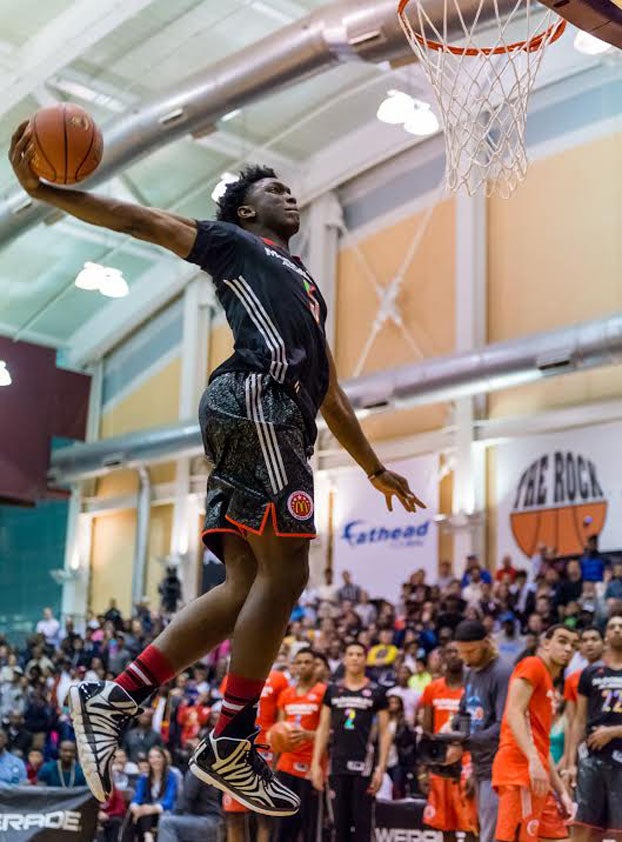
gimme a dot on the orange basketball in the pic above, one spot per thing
(280, 737)
(68, 144)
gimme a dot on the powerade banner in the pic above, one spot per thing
(402, 821)
(45, 814)
(558, 489)
(381, 548)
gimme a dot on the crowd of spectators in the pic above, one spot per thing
(405, 640)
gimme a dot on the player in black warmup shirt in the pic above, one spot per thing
(355, 710)
(598, 721)
(257, 420)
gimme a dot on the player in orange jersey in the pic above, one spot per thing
(301, 705)
(522, 772)
(449, 807)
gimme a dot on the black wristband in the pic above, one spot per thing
(376, 474)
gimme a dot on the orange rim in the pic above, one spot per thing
(530, 45)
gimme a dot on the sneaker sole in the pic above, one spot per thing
(216, 780)
(86, 755)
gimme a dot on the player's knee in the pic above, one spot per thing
(294, 574)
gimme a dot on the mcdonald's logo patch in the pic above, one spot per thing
(300, 505)
(558, 502)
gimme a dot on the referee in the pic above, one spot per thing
(349, 710)
(598, 721)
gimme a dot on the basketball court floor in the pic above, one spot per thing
(478, 330)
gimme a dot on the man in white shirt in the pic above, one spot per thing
(409, 696)
(49, 627)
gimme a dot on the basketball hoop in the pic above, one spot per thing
(482, 91)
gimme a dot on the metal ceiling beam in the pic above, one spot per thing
(345, 31)
(497, 366)
(68, 36)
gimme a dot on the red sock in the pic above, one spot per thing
(144, 675)
(238, 711)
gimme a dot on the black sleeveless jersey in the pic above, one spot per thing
(602, 686)
(275, 310)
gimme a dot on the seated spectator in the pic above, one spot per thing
(142, 738)
(110, 816)
(472, 593)
(571, 585)
(472, 562)
(49, 627)
(20, 740)
(197, 816)
(408, 695)
(401, 760)
(384, 652)
(35, 762)
(592, 562)
(349, 591)
(156, 793)
(421, 678)
(506, 572)
(12, 768)
(508, 641)
(613, 591)
(445, 574)
(366, 610)
(65, 772)
(124, 772)
(328, 591)
(193, 717)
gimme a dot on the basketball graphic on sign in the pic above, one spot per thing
(559, 503)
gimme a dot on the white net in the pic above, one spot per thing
(482, 81)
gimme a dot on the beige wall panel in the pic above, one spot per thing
(555, 249)
(553, 392)
(405, 422)
(426, 299)
(160, 529)
(117, 484)
(152, 404)
(163, 472)
(446, 539)
(111, 560)
(220, 345)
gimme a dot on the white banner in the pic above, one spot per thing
(381, 548)
(558, 489)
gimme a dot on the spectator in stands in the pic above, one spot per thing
(570, 587)
(192, 718)
(472, 593)
(506, 572)
(445, 574)
(421, 677)
(366, 610)
(20, 740)
(349, 591)
(114, 616)
(471, 562)
(384, 653)
(49, 627)
(119, 656)
(12, 692)
(328, 591)
(35, 762)
(12, 768)
(65, 772)
(401, 761)
(156, 793)
(507, 640)
(39, 659)
(110, 816)
(170, 591)
(198, 815)
(593, 563)
(613, 591)
(409, 696)
(142, 738)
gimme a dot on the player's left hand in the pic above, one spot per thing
(298, 736)
(567, 804)
(600, 737)
(393, 485)
(376, 781)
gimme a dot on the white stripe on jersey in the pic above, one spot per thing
(264, 325)
(266, 434)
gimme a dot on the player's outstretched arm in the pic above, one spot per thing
(343, 424)
(168, 230)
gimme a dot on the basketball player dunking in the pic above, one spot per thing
(257, 421)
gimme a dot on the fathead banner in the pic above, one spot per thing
(381, 548)
(558, 489)
(43, 814)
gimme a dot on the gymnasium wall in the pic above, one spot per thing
(554, 253)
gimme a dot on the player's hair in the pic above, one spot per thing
(591, 629)
(616, 615)
(235, 194)
(352, 643)
(548, 634)
(305, 650)
(322, 657)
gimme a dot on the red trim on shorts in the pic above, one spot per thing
(230, 531)
(270, 508)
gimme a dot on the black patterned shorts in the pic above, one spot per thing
(254, 435)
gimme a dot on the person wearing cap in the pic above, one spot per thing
(482, 705)
(508, 642)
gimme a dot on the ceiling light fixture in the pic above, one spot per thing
(225, 179)
(5, 374)
(589, 45)
(95, 277)
(417, 117)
